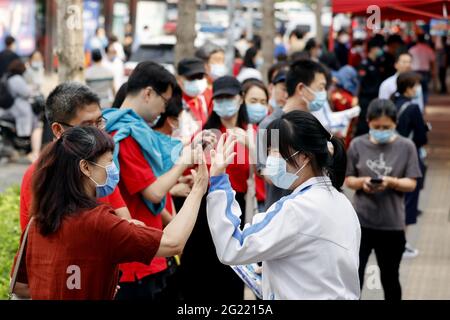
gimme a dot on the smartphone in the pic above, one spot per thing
(376, 181)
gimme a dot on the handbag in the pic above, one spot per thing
(12, 285)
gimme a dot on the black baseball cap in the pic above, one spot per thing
(279, 77)
(191, 66)
(226, 85)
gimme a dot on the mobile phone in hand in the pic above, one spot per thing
(376, 181)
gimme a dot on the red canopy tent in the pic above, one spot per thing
(406, 10)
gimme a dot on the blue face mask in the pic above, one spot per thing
(256, 112)
(226, 108)
(276, 170)
(217, 70)
(112, 179)
(195, 87)
(382, 136)
(319, 101)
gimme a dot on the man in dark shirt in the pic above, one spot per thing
(7, 55)
(370, 81)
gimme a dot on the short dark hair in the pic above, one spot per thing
(400, 54)
(407, 80)
(394, 39)
(66, 99)
(96, 55)
(16, 67)
(173, 109)
(150, 74)
(297, 32)
(374, 43)
(301, 131)
(57, 183)
(275, 68)
(302, 71)
(9, 40)
(310, 44)
(421, 38)
(381, 107)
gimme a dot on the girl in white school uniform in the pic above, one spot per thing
(308, 242)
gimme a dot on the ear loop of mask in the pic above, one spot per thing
(302, 167)
(97, 184)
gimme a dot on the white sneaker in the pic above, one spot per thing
(410, 252)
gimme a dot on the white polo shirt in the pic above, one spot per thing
(308, 241)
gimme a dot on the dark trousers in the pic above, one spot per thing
(150, 288)
(412, 198)
(202, 276)
(389, 247)
(426, 78)
(362, 126)
(443, 79)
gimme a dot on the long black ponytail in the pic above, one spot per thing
(301, 131)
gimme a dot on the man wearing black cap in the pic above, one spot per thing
(197, 97)
(277, 89)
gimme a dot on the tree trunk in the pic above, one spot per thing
(70, 47)
(268, 35)
(187, 10)
(318, 12)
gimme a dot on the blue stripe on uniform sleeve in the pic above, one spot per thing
(222, 182)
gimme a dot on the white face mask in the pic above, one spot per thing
(195, 88)
(276, 170)
(218, 70)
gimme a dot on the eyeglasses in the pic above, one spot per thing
(166, 101)
(99, 124)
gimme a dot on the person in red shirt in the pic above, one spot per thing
(149, 90)
(197, 97)
(75, 244)
(69, 104)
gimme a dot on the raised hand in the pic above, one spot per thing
(223, 155)
(201, 177)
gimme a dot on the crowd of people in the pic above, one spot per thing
(132, 216)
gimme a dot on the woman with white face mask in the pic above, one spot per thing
(382, 167)
(308, 242)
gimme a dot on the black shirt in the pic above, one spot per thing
(411, 121)
(6, 57)
(370, 79)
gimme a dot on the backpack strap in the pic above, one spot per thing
(402, 109)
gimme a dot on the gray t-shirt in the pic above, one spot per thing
(273, 193)
(384, 210)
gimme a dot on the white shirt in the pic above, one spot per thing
(336, 122)
(422, 55)
(389, 86)
(308, 241)
(117, 68)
